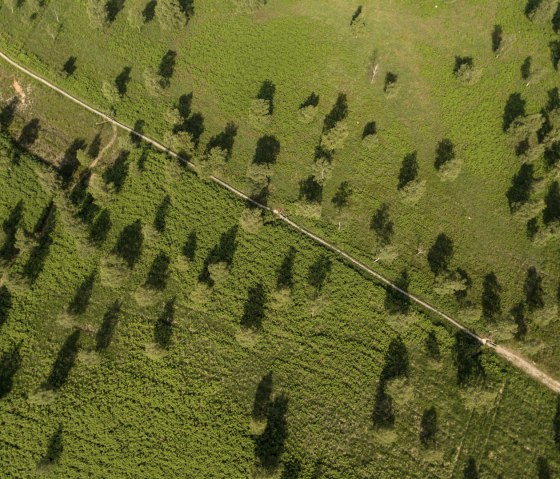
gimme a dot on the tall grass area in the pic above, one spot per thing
(173, 372)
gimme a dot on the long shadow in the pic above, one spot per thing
(262, 402)
(44, 221)
(6, 303)
(81, 299)
(551, 210)
(187, 7)
(268, 149)
(94, 147)
(10, 362)
(70, 162)
(189, 249)
(106, 332)
(338, 113)
(112, 9)
(160, 221)
(167, 68)
(311, 100)
(70, 66)
(255, 308)
(521, 187)
(7, 113)
(440, 254)
(311, 190)
(38, 257)
(54, 448)
(319, 272)
(382, 224)
(10, 226)
(395, 301)
(491, 301)
(64, 362)
(382, 415)
(159, 272)
(223, 252)
(130, 243)
(79, 192)
(515, 107)
(149, 12)
(285, 274)
(467, 357)
(29, 133)
(101, 227)
(89, 209)
(292, 469)
(224, 140)
(163, 330)
(136, 132)
(409, 170)
(396, 361)
(266, 92)
(122, 81)
(117, 173)
(270, 445)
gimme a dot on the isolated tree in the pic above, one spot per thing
(428, 427)
(395, 301)
(130, 243)
(117, 173)
(382, 225)
(409, 170)
(390, 82)
(64, 361)
(342, 196)
(440, 254)
(496, 38)
(69, 66)
(170, 14)
(112, 9)
(533, 289)
(268, 149)
(551, 211)
(163, 330)
(338, 113)
(444, 153)
(491, 301)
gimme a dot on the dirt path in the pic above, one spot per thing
(519, 362)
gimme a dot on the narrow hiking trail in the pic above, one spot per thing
(521, 363)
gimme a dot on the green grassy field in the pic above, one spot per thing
(141, 398)
(228, 49)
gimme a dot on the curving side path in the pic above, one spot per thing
(523, 364)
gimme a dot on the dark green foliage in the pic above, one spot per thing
(543, 469)
(6, 303)
(383, 415)
(554, 53)
(533, 289)
(515, 107)
(89, 209)
(167, 68)
(112, 9)
(79, 193)
(531, 7)
(382, 225)
(69, 66)
(556, 423)
(409, 170)
(94, 147)
(149, 11)
(118, 171)
(311, 100)
(532, 228)
(255, 307)
(440, 254)
(311, 190)
(551, 211)
(521, 187)
(161, 214)
(40, 251)
(44, 220)
(369, 130)
(101, 227)
(55, 448)
(432, 346)
(522, 147)
(130, 243)
(266, 92)
(292, 469)
(285, 275)
(342, 196)
(552, 154)
(545, 128)
(470, 471)
(64, 361)
(444, 153)
(518, 315)
(223, 252)
(268, 149)
(390, 81)
(396, 361)
(318, 272)
(29, 133)
(224, 140)
(159, 272)
(7, 113)
(526, 68)
(10, 226)
(553, 102)
(81, 299)
(164, 325)
(189, 249)
(556, 20)
(467, 358)
(270, 445)
(338, 113)
(122, 81)
(70, 162)
(356, 15)
(10, 362)
(187, 7)
(194, 125)
(263, 395)
(491, 301)
(496, 38)
(106, 332)
(428, 427)
(395, 301)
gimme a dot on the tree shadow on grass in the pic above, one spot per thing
(163, 330)
(160, 221)
(106, 332)
(29, 133)
(268, 149)
(70, 162)
(521, 187)
(137, 131)
(6, 303)
(69, 66)
(64, 362)
(311, 190)
(7, 113)
(255, 308)
(223, 252)
(223, 140)
(467, 357)
(262, 402)
(285, 274)
(382, 415)
(54, 448)
(395, 301)
(118, 171)
(319, 272)
(338, 113)
(270, 445)
(189, 249)
(159, 272)
(94, 147)
(515, 107)
(266, 92)
(10, 362)
(10, 226)
(311, 100)
(130, 243)
(149, 11)
(112, 9)
(122, 81)
(167, 68)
